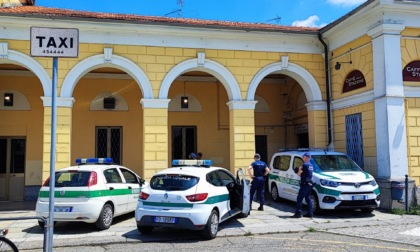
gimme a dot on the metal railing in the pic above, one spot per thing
(45, 245)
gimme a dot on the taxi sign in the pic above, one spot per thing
(190, 162)
(54, 42)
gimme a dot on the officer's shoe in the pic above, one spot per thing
(308, 215)
(296, 216)
(261, 208)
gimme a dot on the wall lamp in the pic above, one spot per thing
(8, 99)
(338, 64)
(184, 102)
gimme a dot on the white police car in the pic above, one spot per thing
(93, 191)
(192, 195)
(339, 183)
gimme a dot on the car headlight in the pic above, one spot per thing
(329, 183)
(372, 182)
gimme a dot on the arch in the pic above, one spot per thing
(210, 67)
(98, 61)
(301, 75)
(17, 58)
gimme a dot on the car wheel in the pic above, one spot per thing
(105, 217)
(275, 193)
(144, 229)
(42, 224)
(212, 226)
(315, 203)
(367, 210)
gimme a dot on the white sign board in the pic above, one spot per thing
(54, 42)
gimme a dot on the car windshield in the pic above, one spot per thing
(71, 178)
(333, 163)
(173, 182)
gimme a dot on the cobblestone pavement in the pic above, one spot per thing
(379, 225)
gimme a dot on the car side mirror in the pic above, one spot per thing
(296, 170)
(141, 181)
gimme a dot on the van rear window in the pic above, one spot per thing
(173, 182)
(71, 178)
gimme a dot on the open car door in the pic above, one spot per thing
(241, 179)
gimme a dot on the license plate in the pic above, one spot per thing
(159, 219)
(359, 197)
(63, 209)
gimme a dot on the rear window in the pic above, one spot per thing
(173, 182)
(71, 178)
(334, 163)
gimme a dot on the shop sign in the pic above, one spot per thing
(411, 71)
(354, 80)
(54, 42)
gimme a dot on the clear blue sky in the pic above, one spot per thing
(312, 13)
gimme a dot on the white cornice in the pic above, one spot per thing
(61, 101)
(371, 16)
(242, 105)
(352, 100)
(411, 92)
(18, 28)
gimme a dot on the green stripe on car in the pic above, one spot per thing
(289, 181)
(87, 194)
(210, 200)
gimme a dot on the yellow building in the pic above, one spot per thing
(250, 88)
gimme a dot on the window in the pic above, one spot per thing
(129, 176)
(109, 143)
(297, 162)
(354, 138)
(173, 182)
(282, 163)
(71, 178)
(226, 178)
(112, 176)
(214, 179)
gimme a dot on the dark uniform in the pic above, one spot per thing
(305, 189)
(258, 182)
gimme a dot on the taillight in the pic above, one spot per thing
(47, 182)
(93, 179)
(143, 196)
(197, 197)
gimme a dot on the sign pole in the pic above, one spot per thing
(50, 230)
(55, 43)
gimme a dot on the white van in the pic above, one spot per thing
(339, 183)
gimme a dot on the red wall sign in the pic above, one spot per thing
(354, 80)
(411, 71)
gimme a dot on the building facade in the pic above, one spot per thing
(146, 90)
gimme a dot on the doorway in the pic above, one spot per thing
(12, 168)
(184, 141)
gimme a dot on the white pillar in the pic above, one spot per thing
(391, 138)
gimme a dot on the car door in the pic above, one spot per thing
(286, 178)
(132, 183)
(116, 189)
(246, 194)
(294, 178)
(225, 180)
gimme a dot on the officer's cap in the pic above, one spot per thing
(257, 156)
(307, 154)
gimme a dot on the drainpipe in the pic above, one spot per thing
(328, 88)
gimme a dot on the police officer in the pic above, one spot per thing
(305, 172)
(259, 171)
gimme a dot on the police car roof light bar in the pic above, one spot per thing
(94, 161)
(192, 162)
